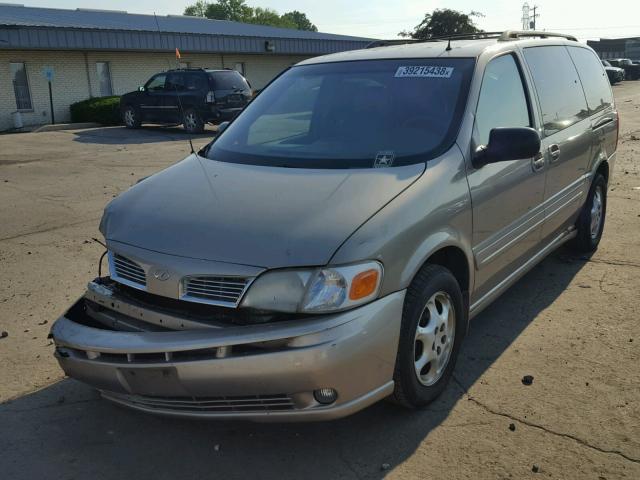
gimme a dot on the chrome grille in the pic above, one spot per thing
(254, 403)
(128, 270)
(216, 290)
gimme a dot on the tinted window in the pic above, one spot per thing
(229, 80)
(175, 82)
(559, 90)
(351, 115)
(594, 79)
(502, 102)
(156, 83)
(196, 81)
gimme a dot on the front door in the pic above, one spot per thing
(151, 101)
(506, 196)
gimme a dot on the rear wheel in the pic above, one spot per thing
(433, 325)
(192, 122)
(130, 117)
(590, 223)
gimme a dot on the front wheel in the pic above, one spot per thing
(130, 117)
(590, 223)
(432, 329)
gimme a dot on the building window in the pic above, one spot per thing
(104, 79)
(239, 67)
(21, 86)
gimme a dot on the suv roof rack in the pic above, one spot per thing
(500, 36)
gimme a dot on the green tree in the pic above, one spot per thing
(239, 11)
(234, 10)
(300, 21)
(442, 22)
(268, 16)
(198, 9)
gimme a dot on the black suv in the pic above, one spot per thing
(188, 96)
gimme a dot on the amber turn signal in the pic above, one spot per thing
(363, 284)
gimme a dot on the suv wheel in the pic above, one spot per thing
(192, 122)
(433, 325)
(590, 223)
(130, 117)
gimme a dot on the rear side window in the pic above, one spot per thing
(196, 82)
(175, 82)
(559, 90)
(502, 102)
(594, 79)
(229, 80)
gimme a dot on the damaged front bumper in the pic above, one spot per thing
(162, 363)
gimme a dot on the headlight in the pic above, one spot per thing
(319, 290)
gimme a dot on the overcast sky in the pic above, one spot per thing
(384, 18)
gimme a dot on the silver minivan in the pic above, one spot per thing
(328, 249)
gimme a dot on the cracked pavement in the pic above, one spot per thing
(572, 323)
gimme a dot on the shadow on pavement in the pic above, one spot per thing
(147, 134)
(67, 431)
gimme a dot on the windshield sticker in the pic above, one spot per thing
(384, 159)
(424, 71)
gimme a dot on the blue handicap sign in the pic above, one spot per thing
(48, 73)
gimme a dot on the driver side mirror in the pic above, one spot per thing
(222, 127)
(507, 144)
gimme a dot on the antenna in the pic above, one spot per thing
(174, 87)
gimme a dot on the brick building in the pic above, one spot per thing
(90, 53)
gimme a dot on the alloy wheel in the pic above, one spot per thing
(596, 213)
(434, 339)
(130, 117)
(190, 121)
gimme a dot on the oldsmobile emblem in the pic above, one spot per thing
(161, 274)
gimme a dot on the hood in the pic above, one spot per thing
(251, 215)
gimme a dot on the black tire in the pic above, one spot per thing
(192, 121)
(131, 117)
(432, 280)
(586, 241)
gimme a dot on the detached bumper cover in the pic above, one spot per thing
(259, 372)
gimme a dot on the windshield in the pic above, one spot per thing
(351, 115)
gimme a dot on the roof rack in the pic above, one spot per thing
(516, 34)
(457, 36)
(501, 36)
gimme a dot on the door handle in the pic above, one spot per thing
(538, 162)
(554, 152)
(601, 123)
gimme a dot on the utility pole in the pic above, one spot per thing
(534, 16)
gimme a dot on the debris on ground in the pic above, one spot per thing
(512, 427)
(535, 468)
(216, 447)
(527, 380)
(385, 466)
(4, 334)
(44, 322)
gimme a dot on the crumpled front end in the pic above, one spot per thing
(197, 360)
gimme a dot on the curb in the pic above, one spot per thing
(65, 126)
